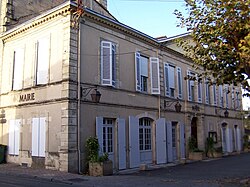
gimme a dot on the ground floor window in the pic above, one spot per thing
(108, 135)
(145, 139)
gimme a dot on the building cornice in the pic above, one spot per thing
(61, 10)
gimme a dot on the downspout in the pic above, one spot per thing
(79, 97)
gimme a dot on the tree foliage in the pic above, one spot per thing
(221, 39)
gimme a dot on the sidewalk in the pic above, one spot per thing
(51, 175)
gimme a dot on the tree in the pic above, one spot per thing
(221, 39)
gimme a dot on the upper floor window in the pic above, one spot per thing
(199, 89)
(42, 60)
(18, 64)
(215, 94)
(221, 98)
(142, 74)
(191, 78)
(179, 78)
(169, 80)
(207, 91)
(108, 63)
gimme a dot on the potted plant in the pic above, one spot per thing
(98, 165)
(194, 152)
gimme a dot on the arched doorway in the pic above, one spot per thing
(194, 130)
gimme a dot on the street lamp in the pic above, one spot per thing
(218, 111)
(177, 105)
(95, 95)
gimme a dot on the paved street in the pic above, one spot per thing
(230, 171)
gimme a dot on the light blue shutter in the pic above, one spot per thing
(161, 144)
(189, 86)
(155, 77)
(134, 152)
(221, 96)
(182, 141)
(169, 142)
(35, 137)
(215, 94)
(166, 67)
(18, 69)
(179, 76)
(43, 57)
(106, 63)
(113, 63)
(238, 139)
(42, 137)
(99, 133)
(17, 136)
(121, 143)
(137, 71)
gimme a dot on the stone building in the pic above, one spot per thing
(55, 54)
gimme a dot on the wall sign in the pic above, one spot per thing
(27, 97)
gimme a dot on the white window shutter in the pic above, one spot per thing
(18, 69)
(155, 76)
(166, 67)
(137, 71)
(99, 133)
(11, 137)
(42, 137)
(43, 57)
(134, 153)
(179, 77)
(169, 142)
(106, 63)
(161, 143)
(17, 136)
(121, 143)
(182, 141)
(238, 139)
(35, 137)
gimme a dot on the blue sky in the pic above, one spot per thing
(152, 17)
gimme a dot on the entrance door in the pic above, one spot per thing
(223, 138)
(194, 130)
(174, 140)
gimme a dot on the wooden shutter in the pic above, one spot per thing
(169, 142)
(134, 152)
(18, 69)
(182, 141)
(161, 143)
(179, 78)
(42, 137)
(99, 133)
(137, 71)
(11, 137)
(166, 67)
(189, 86)
(238, 139)
(199, 88)
(121, 143)
(35, 137)
(106, 63)
(155, 77)
(43, 57)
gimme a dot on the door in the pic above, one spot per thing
(223, 139)
(174, 140)
(169, 142)
(161, 141)
(134, 153)
(121, 144)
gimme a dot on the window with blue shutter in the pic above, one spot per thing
(199, 88)
(108, 63)
(207, 91)
(169, 80)
(137, 71)
(190, 90)
(155, 77)
(179, 80)
(215, 94)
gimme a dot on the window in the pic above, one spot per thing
(215, 94)
(14, 135)
(237, 98)
(108, 63)
(142, 73)
(108, 135)
(207, 88)
(226, 92)
(174, 138)
(179, 77)
(18, 64)
(145, 134)
(169, 80)
(38, 137)
(42, 64)
(199, 88)
(191, 77)
(221, 99)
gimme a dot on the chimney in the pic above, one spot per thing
(103, 2)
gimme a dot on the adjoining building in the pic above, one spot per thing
(150, 99)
